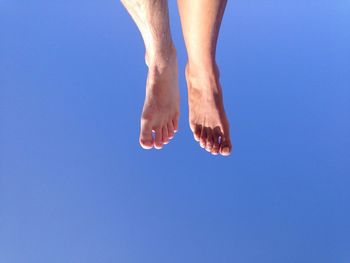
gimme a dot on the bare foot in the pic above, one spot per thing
(159, 120)
(207, 116)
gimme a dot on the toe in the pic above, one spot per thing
(210, 141)
(170, 130)
(192, 126)
(176, 122)
(216, 145)
(146, 143)
(197, 132)
(225, 147)
(158, 140)
(203, 138)
(165, 134)
(146, 139)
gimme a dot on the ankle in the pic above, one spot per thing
(205, 69)
(207, 74)
(160, 56)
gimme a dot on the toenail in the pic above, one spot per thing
(226, 150)
(146, 144)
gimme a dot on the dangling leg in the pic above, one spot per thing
(201, 21)
(161, 108)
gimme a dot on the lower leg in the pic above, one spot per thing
(161, 108)
(201, 21)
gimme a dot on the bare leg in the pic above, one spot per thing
(201, 21)
(161, 108)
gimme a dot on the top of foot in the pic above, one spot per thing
(160, 115)
(207, 116)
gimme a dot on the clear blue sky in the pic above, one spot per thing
(75, 186)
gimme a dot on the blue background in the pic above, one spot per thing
(75, 186)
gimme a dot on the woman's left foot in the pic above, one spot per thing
(207, 116)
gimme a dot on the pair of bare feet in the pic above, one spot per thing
(160, 116)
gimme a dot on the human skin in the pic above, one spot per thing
(160, 113)
(200, 21)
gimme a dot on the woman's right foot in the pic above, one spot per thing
(207, 116)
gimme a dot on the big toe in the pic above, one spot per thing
(225, 147)
(146, 140)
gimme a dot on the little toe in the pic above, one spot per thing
(176, 123)
(158, 141)
(170, 130)
(197, 132)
